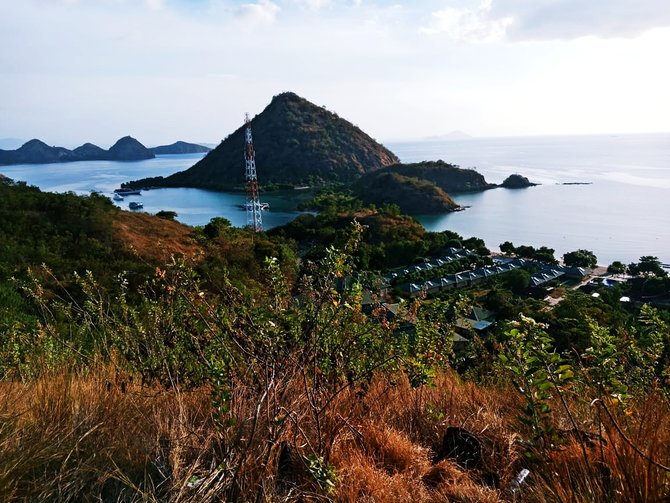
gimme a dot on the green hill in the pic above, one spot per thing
(296, 143)
(448, 177)
(412, 195)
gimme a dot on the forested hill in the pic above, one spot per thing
(296, 143)
(448, 177)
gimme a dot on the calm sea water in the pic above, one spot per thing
(623, 214)
(193, 206)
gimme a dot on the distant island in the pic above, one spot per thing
(126, 149)
(180, 147)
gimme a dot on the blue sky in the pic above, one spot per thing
(94, 70)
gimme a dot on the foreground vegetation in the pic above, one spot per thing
(228, 376)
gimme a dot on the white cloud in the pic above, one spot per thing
(154, 4)
(192, 68)
(567, 19)
(468, 25)
(263, 11)
(313, 5)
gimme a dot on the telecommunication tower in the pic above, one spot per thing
(253, 206)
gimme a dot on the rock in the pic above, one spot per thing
(517, 181)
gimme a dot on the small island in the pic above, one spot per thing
(517, 181)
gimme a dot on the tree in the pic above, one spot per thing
(216, 227)
(580, 258)
(507, 247)
(651, 265)
(517, 280)
(616, 267)
(167, 215)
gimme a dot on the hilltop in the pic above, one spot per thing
(35, 152)
(296, 143)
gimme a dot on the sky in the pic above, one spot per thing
(73, 71)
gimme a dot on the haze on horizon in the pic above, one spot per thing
(161, 70)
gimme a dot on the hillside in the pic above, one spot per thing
(412, 195)
(448, 177)
(180, 147)
(296, 143)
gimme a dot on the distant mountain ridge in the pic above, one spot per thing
(180, 147)
(296, 143)
(37, 152)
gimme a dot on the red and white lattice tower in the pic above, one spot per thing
(254, 206)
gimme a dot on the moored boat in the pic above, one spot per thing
(128, 192)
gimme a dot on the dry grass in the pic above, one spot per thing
(100, 437)
(153, 238)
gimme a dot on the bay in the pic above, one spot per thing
(622, 215)
(193, 206)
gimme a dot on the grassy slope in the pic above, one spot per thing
(152, 238)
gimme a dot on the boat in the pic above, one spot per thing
(135, 206)
(118, 197)
(128, 192)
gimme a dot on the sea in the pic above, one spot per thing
(606, 193)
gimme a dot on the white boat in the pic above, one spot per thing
(128, 192)
(118, 197)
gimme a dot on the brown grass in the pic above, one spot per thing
(100, 437)
(153, 238)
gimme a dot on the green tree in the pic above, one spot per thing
(517, 280)
(580, 258)
(216, 227)
(616, 267)
(507, 247)
(649, 265)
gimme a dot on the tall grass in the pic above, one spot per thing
(99, 437)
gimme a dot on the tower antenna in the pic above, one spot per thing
(253, 206)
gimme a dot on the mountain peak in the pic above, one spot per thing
(129, 149)
(296, 143)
